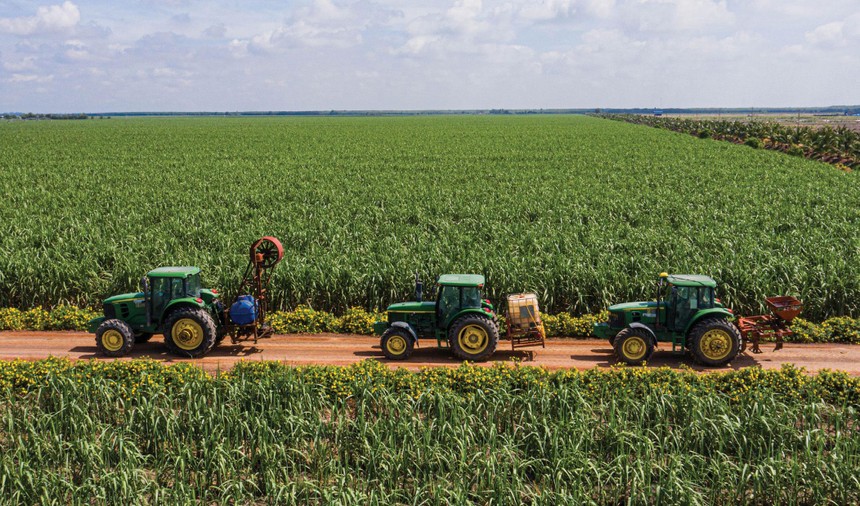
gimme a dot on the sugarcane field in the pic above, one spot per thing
(459, 252)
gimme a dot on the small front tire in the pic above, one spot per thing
(396, 344)
(633, 346)
(114, 338)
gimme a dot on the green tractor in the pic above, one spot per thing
(459, 319)
(686, 314)
(171, 301)
(193, 319)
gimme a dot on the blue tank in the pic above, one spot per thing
(244, 310)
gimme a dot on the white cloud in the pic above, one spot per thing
(322, 24)
(26, 63)
(216, 31)
(668, 16)
(30, 78)
(701, 14)
(828, 34)
(548, 9)
(47, 19)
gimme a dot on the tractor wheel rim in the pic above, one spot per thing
(112, 340)
(473, 339)
(716, 344)
(634, 348)
(396, 345)
(187, 334)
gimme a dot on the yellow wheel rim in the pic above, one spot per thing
(396, 345)
(112, 340)
(473, 339)
(187, 334)
(634, 348)
(716, 344)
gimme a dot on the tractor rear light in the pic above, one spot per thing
(215, 291)
(718, 301)
(199, 300)
(730, 310)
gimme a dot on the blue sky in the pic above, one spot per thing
(226, 55)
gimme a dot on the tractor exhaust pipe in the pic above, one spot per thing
(419, 288)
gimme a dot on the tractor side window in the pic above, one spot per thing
(449, 300)
(160, 293)
(685, 304)
(161, 288)
(177, 289)
(471, 297)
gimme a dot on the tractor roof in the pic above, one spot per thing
(173, 272)
(691, 280)
(461, 280)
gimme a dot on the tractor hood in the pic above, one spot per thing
(412, 307)
(633, 306)
(124, 297)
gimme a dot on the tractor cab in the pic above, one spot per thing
(458, 292)
(459, 318)
(165, 286)
(682, 297)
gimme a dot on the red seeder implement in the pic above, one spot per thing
(771, 326)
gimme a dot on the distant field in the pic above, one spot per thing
(584, 211)
(792, 120)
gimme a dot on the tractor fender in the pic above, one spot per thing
(717, 311)
(482, 312)
(637, 325)
(93, 324)
(473, 310)
(177, 303)
(409, 330)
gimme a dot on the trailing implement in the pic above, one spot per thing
(193, 319)
(688, 315)
(774, 326)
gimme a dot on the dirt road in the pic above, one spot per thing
(335, 349)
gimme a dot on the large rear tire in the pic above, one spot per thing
(714, 341)
(190, 332)
(114, 338)
(633, 346)
(473, 337)
(396, 344)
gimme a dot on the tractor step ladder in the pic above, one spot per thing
(442, 339)
(677, 343)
